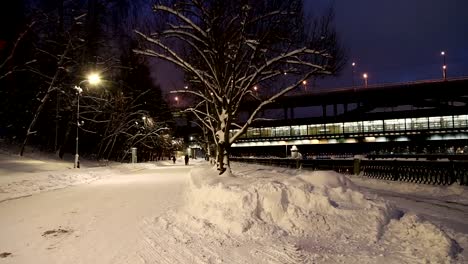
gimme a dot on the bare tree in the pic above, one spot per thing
(226, 48)
(4, 70)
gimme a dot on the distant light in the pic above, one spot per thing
(284, 73)
(304, 82)
(176, 98)
(442, 53)
(94, 78)
(255, 88)
(186, 87)
(144, 117)
(353, 64)
(364, 75)
(444, 67)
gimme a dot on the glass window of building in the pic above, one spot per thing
(314, 129)
(417, 123)
(283, 131)
(394, 124)
(460, 121)
(266, 132)
(352, 127)
(440, 122)
(373, 126)
(295, 131)
(335, 128)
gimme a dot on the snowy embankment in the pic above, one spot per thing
(263, 215)
(25, 176)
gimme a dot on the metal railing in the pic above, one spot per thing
(442, 172)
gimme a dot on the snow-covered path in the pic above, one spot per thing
(99, 222)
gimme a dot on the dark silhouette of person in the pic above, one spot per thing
(173, 159)
(186, 159)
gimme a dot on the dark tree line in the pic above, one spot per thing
(49, 50)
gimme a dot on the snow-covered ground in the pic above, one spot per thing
(171, 213)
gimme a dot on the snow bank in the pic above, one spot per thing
(320, 205)
(421, 239)
(310, 203)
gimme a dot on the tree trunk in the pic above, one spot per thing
(62, 147)
(46, 97)
(33, 122)
(222, 158)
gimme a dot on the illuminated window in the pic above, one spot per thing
(460, 121)
(352, 127)
(373, 126)
(266, 131)
(439, 122)
(416, 123)
(283, 131)
(335, 128)
(314, 129)
(298, 130)
(394, 125)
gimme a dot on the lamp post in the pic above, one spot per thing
(92, 79)
(365, 79)
(444, 66)
(353, 65)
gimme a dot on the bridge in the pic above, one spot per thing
(428, 116)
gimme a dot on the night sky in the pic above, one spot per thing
(393, 41)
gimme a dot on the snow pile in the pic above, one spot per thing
(320, 206)
(421, 239)
(311, 203)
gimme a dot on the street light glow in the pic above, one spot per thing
(176, 98)
(94, 78)
(304, 82)
(364, 75)
(255, 88)
(442, 53)
(353, 64)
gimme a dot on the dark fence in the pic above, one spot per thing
(443, 172)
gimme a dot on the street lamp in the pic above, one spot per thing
(92, 79)
(304, 82)
(352, 68)
(444, 66)
(177, 100)
(365, 79)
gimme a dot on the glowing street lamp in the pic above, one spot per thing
(177, 100)
(353, 65)
(444, 66)
(365, 79)
(92, 79)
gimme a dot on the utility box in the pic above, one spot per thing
(134, 155)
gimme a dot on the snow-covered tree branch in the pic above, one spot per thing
(227, 48)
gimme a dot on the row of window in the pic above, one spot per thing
(403, 124)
